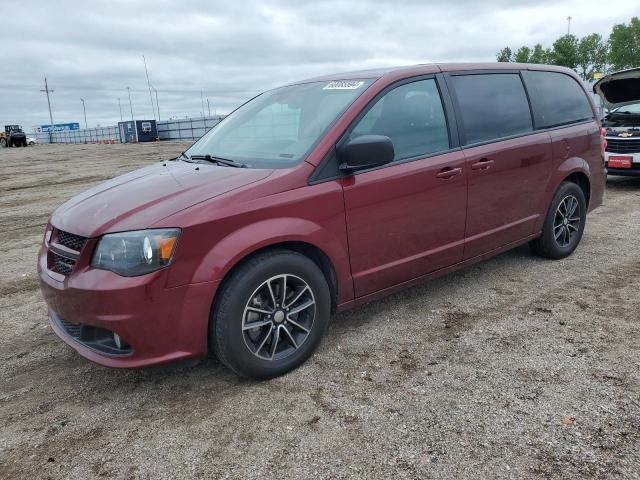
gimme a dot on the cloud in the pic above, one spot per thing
(234, 50)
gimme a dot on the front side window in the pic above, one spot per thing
(278, 128)
(412, 116)
(492, 106)
(557, 99)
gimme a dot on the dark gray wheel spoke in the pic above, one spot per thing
(297, 325)
(302, 307)
(291, 339)
(262, 323)
(259, 310)
(274, 345)
(278, 317)
(264, 340)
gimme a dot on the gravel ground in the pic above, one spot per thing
(518, 367)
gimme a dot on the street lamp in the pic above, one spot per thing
(86, 127)
(157, 104)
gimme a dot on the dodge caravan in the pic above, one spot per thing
(316, 197)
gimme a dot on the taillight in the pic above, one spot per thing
(603, 141)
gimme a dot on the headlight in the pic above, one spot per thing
(135, 253)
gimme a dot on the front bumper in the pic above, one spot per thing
(631, 172)
(155, 323)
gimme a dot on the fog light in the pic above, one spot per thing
(116, 339)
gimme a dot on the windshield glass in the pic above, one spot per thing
(633, 108)
(278, 128)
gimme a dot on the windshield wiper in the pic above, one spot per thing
(219, 161)
(184, 156)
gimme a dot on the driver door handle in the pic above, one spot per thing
(449, 172)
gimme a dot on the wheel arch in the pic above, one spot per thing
(582, 180)
(309, 250)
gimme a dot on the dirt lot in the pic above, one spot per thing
(516, 368)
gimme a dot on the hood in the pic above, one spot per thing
(619, 88)
(141, 198)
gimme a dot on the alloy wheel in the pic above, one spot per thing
(566, 223)
(278, 317)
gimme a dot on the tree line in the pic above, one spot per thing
(587, 55)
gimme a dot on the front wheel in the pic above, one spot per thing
(270, 315)
(3, 142)
(564, 223)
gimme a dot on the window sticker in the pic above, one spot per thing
(343, 85)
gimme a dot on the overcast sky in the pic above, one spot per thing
(235, 49)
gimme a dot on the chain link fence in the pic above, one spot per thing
(179, 129)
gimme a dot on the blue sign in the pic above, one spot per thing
(59, 127)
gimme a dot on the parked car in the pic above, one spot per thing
(32, 141)
(620, 94)
(319, 196)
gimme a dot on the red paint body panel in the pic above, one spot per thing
(403, 221)
(381, 230)
(502, 193)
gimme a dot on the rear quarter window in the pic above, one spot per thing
(557, 99)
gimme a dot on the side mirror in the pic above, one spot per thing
(366, 151)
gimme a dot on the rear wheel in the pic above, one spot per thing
(271, 314)
(564, 223)
(3, 142)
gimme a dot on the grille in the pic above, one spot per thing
(72, 329)
(69, 240)
(62, 265)
(616, 145)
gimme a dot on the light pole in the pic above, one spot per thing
(208, 107)
(569, 25)
(153, 112)
(130, 104)
(120, 108)
(202, 101)
(86, 127)
(157, 104)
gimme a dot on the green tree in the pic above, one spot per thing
(565, 51)
(523, 55)
(592, 56)
(539, 54)
(624, 45)
(504, 55)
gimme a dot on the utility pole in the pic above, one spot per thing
(208, 106)
(86, 127)
(153, 111)
(47, 91)
(130, 104)
(202, 101)
(120, 108)
(569, 25)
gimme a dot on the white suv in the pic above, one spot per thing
(620, 93)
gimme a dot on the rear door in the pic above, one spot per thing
(407, 218)
(508, 164)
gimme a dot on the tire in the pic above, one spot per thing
(245, 298)
(561, 233)
(3, 142)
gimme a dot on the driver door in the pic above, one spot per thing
(407, 218)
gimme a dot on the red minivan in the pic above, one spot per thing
(319, 196)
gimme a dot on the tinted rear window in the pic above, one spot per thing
(492, 106)
(557, 99)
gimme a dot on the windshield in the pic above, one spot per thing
(633, 108)
(278, 128)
